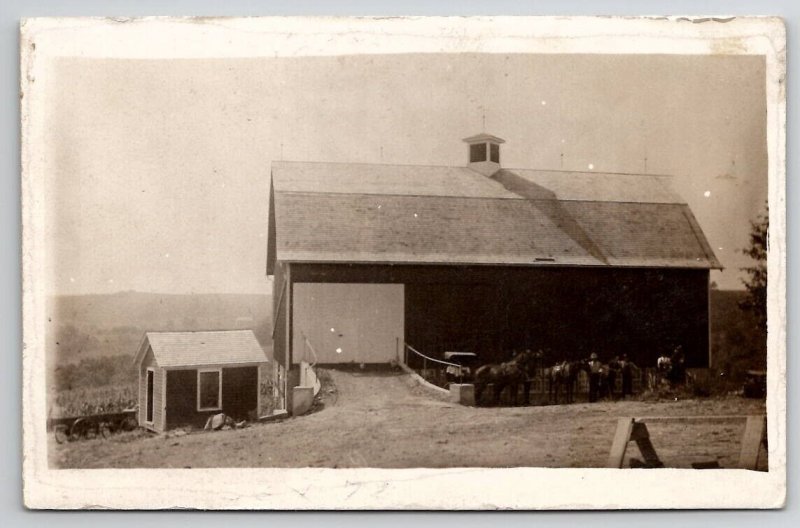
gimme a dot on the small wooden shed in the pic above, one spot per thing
(185, 377)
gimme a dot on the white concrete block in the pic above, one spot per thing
(302, 399)
(463, 393)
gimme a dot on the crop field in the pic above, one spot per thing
(94, 400)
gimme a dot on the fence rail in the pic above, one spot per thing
(307, 343)
(427, 358)
(432, 375)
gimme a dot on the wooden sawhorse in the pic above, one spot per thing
(633, 429)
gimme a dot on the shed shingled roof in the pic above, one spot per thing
(189, 349)
(339, 212)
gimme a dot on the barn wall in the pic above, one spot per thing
(279, 302)
(149, 360)
(239, 396)
(344, 323)
(567, 312)
(271, 233)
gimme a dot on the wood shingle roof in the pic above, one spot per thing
(190, 349)
(339, 212)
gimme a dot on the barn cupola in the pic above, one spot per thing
(484, 153)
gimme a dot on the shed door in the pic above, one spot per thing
(150, 380)
(347, 322)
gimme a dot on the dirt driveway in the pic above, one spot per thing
(385, 420)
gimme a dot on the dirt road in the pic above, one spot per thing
(385, 420)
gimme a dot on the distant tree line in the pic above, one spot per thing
(95, 372)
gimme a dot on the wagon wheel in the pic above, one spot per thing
(129, 423)
(62, 434)
(83, 428)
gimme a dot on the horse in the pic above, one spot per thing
(508, 374)
(564, 374)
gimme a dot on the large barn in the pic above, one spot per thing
(482, 258)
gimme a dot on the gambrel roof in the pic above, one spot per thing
(372, 213)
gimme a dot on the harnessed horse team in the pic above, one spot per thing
(562, 378)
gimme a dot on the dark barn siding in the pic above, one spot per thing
(279, 297)
(567, 312)
(239, 391)
(239, 395)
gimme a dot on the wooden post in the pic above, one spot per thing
(755, 434)
(258, 388)
(620, 444)
(288, 355)
(628, 429)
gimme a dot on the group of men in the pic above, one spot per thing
(603, 377)
(672, 369)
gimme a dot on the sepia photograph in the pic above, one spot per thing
(301, 252)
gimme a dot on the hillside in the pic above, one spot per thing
(94, 326)
(93, 337)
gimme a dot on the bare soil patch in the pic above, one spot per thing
(383, 419)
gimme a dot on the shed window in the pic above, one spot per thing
(209, 390)
(477, 152)
(494, 149)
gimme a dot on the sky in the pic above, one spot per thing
(158, 170)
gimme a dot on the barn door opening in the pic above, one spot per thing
(150, 384)
(347, 322)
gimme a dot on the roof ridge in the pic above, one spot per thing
(197, 331)
(450, 196)
(373, 163)
(593, 172)
(431, 165)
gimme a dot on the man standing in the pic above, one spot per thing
(613, 369)
(626, 367)
(594, 376)
(677, 371)
(527, 368)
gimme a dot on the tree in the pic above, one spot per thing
(756, 281)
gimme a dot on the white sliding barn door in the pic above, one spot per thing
(347, 322)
